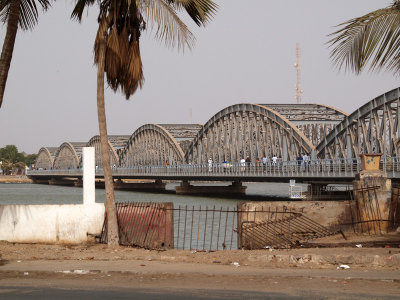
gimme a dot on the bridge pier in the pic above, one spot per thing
(157, 185)
(185, 188)
(62, 181)
(78, 182)
(40, 181)
(373, 194)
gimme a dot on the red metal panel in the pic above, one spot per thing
(147, 225)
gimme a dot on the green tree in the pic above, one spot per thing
(16, 13)
(30, 159)
(373, 38)
(117, 54)
(11, 159)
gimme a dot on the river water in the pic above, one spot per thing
(51, 194)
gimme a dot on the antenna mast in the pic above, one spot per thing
(298, 69)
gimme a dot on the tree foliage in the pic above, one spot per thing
(121, 24)
(11, 159)
(373, 38)
(16, 13)
(28, 16)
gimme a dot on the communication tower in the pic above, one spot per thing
(299, 91)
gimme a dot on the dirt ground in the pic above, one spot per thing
(26, 268)
(357, 250)
(305, 273)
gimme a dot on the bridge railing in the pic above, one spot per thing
(314, 168)
(344, 167)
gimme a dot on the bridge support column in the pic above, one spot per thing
(157, 185)
(185, 188)
(372, 192)
(78, 182)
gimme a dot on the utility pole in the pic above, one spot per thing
(298, 69)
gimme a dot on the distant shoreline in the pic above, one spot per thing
(15, 179)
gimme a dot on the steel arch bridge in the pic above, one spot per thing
(372, 128)
(250, 130)
(115, 144)
(68, 156)
(156, 144)
(315, 121)
(257, 130)
(45, 158)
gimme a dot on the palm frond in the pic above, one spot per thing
(170, 27)
(29, 14)
(121, 23)
(79, 8)
(374, 38)
(201, 11)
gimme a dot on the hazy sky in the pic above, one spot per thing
(246, 54)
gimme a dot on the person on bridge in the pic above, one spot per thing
(265, 161)
(274, 160)
(299, 161)
(248, 161)
(242, 165)
(306, 160)
(258, 163)
(210, 162)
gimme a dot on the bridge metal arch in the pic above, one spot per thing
(151, 144)
(45, 158)
(314, 120)
(115, 143)
(372, 128)
(246, 129)
(68, 156)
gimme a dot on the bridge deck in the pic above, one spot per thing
(321, 170)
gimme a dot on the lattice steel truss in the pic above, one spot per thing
(68, 156)
(247, 130)
(250, 130)
(115, 142)
(315, 121)
(45, 158)
(154, 144)
(373, 128)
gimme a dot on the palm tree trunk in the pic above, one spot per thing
(8, 46)
(112, 234)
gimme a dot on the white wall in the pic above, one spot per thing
(56, 223)
(50, 223)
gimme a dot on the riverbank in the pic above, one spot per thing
(15, 179)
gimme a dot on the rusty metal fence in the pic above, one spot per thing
(147, 225)
(267, 229)
(161, 226)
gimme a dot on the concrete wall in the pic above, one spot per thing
(50, 223)
(327, 213)
(56, 223)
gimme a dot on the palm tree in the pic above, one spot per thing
(22, 13)
(117, 53)
(11, 159)
(374, 38)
